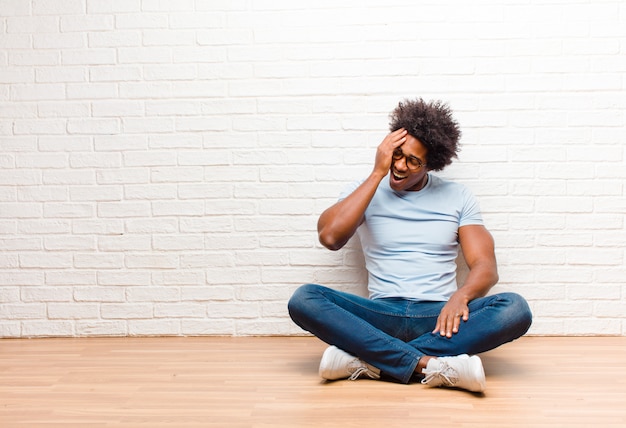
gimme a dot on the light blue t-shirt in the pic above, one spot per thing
(410, 239)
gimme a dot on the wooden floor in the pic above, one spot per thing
(273, 382)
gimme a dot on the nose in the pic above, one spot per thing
(401, 164)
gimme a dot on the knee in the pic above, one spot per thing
(300, 301)
(519, 312)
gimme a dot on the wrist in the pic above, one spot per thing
(378, 175)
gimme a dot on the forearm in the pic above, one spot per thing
(480, 279)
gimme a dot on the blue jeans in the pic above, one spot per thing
(392, 334)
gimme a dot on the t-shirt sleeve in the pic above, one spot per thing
(347, 190)
(470, 214)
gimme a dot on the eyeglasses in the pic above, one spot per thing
(412, 162)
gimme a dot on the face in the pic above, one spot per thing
(404, 175)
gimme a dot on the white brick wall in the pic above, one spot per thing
(163, 162)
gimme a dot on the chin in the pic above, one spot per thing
(397, 184)
(408, 183)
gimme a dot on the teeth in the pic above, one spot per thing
(399, 177)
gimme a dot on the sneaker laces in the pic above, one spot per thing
(445, 374)
(358, 367)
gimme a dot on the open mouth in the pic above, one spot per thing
(398, 177)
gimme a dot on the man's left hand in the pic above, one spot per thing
(449, 320)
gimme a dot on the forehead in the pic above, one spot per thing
(414, 147)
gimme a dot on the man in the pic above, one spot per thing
(416, 324)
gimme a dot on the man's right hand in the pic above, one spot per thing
(385, 150)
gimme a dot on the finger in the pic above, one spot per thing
(456, 323)
(392, 141)
(400, 137)
(437, 327)
(398, 134)
(448, 325)
(400, 131)
(396, 140)
(452, 326)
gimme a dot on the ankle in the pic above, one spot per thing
(422, 363)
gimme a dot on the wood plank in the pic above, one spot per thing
(273, 382)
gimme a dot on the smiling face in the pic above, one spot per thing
(403, 175)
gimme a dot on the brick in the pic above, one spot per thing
(178, 278)
(86, 23)
(93, 56)
(154, 327)
(79, 311)
(151, 261)
(15, 8)
(28, 58)
(47, 328)
(204, 293)
(42, 227)
(118, 108)
(114, 39)
(203, 328)
(45, 261)
(19, 177)
(59, 41)
(153, 294)
(178, 208)
(124, 243)
(60, 278)
(114, 73)
(179, 310)
(113, 6)
(93, 126)
(126, 311)
(141, 21)
(69, 243)
(91, 91)
(132, 125)
(64, 143)
(40, 127)
(238, 310)
(92, 328)
(99, 261)
(161, 225)
(64, 110)
(177, 243)
(58, 7)
(99, 294)
(126, 278)
(20, 211)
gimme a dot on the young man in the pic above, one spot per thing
(416, 324)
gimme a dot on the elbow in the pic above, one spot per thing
(330, 242)
(495, 278)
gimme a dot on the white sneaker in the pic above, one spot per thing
(338, 364)
(461, 371)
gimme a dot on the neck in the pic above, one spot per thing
(419, 186)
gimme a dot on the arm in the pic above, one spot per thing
(338, 223)
(478, 249)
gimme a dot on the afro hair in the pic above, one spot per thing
(433, 125)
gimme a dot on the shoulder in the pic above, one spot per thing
(445, 186)
(349, 188)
